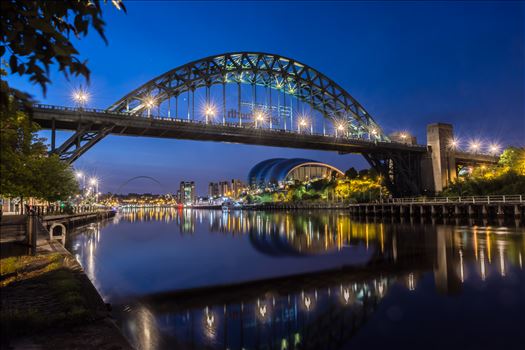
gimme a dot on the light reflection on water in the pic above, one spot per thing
(398, 265)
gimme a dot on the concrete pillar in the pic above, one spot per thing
(484, 211)
(457, 211)
(411, 210)
(433, 210)
(517, 212)
(439, 137)
(444, 211)
(471, 210)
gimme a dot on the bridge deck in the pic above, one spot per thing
(64, 118)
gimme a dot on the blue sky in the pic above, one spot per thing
(408, 63)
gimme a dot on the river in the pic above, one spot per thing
(195, 279)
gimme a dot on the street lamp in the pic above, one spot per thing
(303, 123)
(373, 132)
(209, 112)
(474, 146)
(80, 175)
(94, 183)
(149, 103)
(494, 149)
(453, 144)
(339, 128)
(81, 97)
(259, 118)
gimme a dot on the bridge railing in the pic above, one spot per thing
(511, 199)
(45, 210)
(246, 125)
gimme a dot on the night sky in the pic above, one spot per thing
(408, 64)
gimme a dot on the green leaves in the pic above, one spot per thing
(25, 168)
(35, 35)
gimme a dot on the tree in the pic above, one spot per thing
(513, 159)
(351, 173)
(26, 170)
(36, 34)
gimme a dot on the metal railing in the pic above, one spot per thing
(510, 199)
(247, 125)
(46, 210)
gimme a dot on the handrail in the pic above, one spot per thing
(518, 198)
(248, 125)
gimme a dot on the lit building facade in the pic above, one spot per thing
(186, 194)
(233, 188)
(279, 171)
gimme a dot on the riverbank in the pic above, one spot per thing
(48, 302)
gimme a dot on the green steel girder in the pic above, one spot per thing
(268, 70)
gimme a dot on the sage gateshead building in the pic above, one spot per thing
(277, 172)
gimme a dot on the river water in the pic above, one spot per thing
(199, 279)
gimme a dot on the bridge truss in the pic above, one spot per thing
(353, 130)
(257, 69)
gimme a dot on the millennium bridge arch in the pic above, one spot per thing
(141, 177)
(299, 108)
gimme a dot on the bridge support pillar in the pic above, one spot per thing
(443, 161)
(500, 213)
(517, 212)
(457, 211)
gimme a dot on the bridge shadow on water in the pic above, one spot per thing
(313, 310)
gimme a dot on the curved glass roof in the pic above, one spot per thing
(276, 169)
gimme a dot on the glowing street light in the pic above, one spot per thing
(494, 149)
(303, 123)
(259, 118)
(453, 144)
(81, 97)
(149, 103)
(80, 175)
(339, 128)
(474, 146)
(209, 112)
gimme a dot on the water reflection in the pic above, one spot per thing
(309, 310)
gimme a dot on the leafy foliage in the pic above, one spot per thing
(25, 168)
(36, 34)
(361, 188)
(507, 177)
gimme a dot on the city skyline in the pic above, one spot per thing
(409, 70)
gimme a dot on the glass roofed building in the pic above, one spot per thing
(279, 171)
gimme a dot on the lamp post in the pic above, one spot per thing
(81, 175)
(339, 128)
(81, 97)
(303, 123)
(149, 102)
(259, 118)
(94, 183)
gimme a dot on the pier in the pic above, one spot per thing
(446, 207)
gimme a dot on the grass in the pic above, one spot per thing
(31, 277)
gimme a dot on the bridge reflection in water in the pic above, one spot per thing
(321, 310)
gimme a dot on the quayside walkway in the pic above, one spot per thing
(467, 206)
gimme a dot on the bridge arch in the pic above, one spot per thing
(258, 69)
(141, 177)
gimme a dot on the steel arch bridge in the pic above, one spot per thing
(258, 69)
(353, 130)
